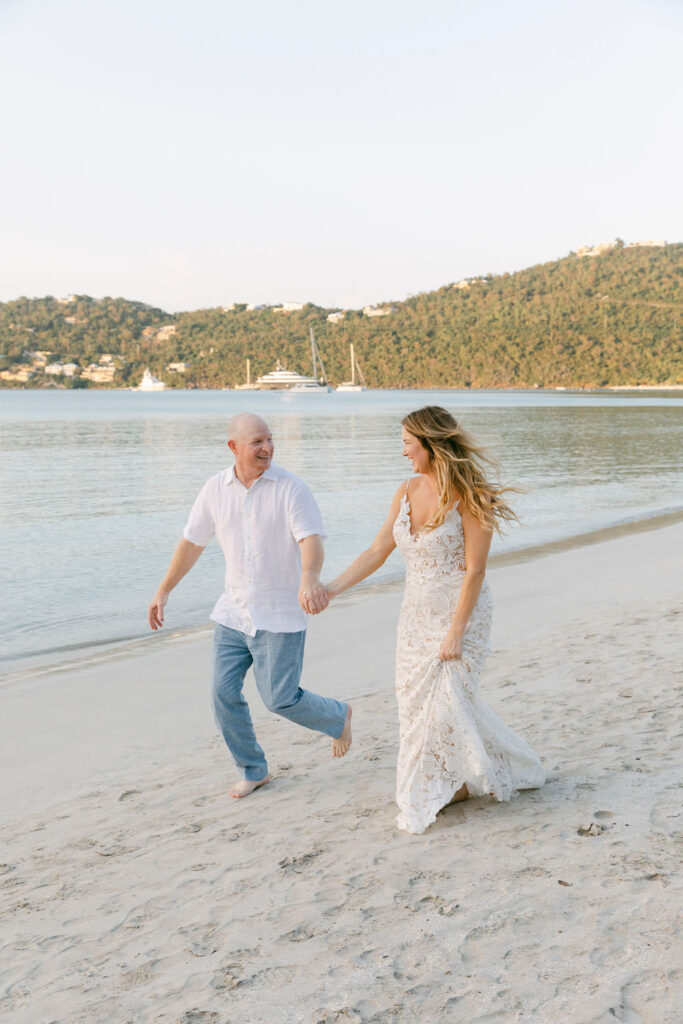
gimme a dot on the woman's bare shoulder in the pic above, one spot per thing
(401, 490)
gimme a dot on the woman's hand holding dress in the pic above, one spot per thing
(451, 647)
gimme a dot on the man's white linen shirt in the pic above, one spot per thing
(259, 530)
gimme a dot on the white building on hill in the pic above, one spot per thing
(288, 307)
(378, 310)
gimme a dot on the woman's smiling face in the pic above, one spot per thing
(414, 450)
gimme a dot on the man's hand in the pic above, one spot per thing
(313, 597)
(184, 557)
(155, 612)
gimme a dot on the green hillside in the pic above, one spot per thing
(610, 319)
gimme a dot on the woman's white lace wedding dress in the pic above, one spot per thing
(448, 735)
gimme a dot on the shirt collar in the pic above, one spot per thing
(268, 474)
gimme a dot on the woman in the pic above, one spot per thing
(451, 744)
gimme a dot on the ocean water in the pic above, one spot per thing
(95, 486)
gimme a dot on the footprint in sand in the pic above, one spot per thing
(300, 862)
(115, 851)
(227, 978)
(300, 934)
(201, 948)
(594, 829)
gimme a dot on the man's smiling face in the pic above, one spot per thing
(253, 448)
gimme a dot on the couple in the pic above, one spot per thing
(271, 531)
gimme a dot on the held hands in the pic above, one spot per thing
(451, 647)
(155, 612)
(313, 596)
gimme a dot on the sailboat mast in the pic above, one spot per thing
(316, 352)
(353, 367)
(313, 354)
(248, 371)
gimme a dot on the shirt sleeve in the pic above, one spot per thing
(305, 518)
(200, 526)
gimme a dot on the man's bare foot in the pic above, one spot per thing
(247, 786)
(341, 745)
(462, 794)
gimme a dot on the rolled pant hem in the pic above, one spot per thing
(255, 774)
(346, 713)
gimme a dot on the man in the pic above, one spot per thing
(270, 529)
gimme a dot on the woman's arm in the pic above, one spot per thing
(374, 556)
(477, 544)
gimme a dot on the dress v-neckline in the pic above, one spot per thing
(421, 531)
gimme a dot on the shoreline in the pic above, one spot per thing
(551, 388)
(79, 655)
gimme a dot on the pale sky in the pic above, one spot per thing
(196, 154)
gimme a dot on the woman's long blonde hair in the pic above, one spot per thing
(458, 464)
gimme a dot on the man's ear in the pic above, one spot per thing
(232, 445)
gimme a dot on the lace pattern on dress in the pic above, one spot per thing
(448, 735)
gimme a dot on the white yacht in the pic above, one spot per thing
(353, 384)
(150, 383)
(281, 379)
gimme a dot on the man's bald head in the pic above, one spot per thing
(251, 442)
(246, 424)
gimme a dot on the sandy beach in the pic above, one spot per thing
(133, 889)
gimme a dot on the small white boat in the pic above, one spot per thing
(353, 384)
(311, 387)
(150, 383)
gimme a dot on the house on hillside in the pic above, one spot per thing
(99, 374)
(378, 310)
(638, 245)
(595, 250)
(159, 333)
(38, 358)
(288, 307)
(21, 373)
(166, 332)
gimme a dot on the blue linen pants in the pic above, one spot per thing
(277, 659)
